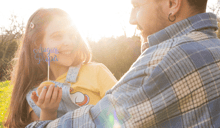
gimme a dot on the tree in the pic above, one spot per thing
(118, 54)
(9, 42)
(215, 8)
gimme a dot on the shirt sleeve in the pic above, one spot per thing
(105, 78)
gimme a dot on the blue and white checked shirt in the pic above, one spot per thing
(175, 83)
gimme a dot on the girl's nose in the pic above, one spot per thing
(67, 41)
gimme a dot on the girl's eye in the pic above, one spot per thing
(58, 36)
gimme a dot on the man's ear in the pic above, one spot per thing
(174, 6)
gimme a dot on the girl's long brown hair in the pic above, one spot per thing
(27, 73)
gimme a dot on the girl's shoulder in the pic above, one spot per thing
(93, 65)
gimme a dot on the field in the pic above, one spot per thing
(5, 94)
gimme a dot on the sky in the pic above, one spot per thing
(94, 18)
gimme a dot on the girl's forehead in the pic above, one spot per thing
(62, 21)
(60, 24)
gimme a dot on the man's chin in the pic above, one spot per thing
(144, 36)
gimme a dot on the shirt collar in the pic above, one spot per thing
(197, 22)
(73, 73)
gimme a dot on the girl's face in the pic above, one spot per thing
(59, 36)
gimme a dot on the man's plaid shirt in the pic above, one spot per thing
(174, 83)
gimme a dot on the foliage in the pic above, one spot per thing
(5, 94)
(9, 38)
(215, 8)
(118, 54)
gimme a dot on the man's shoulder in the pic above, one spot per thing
(195, 37)
(192, 42)
(194, 47)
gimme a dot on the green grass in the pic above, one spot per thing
(5, 94)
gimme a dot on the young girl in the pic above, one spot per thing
(77, 81)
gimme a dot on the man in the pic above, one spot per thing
(174, 83)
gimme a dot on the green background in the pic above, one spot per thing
(5, 94)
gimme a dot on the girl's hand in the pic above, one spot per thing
(48, 101)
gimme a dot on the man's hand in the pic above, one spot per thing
(48, 101)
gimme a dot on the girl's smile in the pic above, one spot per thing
(61, 37)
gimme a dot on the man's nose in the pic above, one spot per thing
(133, 17)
